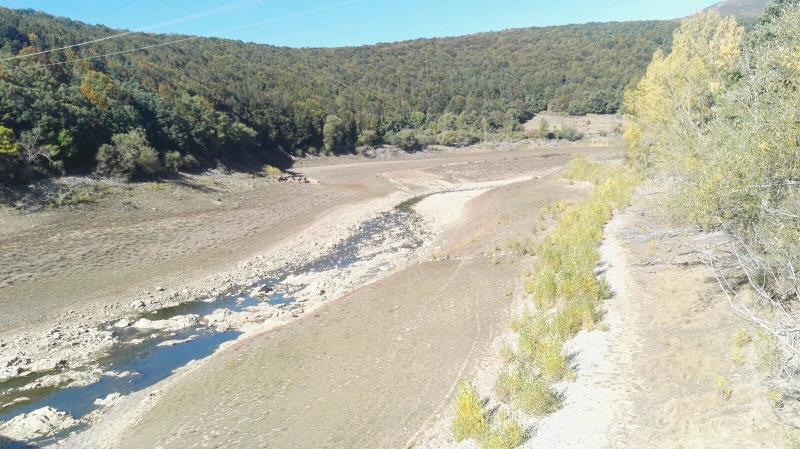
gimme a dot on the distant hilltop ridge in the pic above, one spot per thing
(740, 8)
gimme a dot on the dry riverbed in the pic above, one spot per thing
(344, 313)
(268, 252)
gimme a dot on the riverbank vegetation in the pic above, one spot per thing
(566, 295)
(472, 422)
(718, 115)
(205, 100)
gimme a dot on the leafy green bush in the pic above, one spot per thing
(405, 139)
(457, 138)
(7, 145)
(189, 162)
(724, 130)
(127, 156)
(563, 277)
(581, 169)
(574, 317)
(567, 257)
(369, 138)
(568, 133)
(173, 161)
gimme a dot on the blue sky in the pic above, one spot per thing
(304, 23)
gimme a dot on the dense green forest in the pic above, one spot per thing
(205, 100)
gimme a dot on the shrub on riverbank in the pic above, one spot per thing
(563, 279)
(508, 434)
(567, 296)
(527, 392)
(469, 420)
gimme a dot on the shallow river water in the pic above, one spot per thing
(142, 358)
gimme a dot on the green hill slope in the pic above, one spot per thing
(234, 101)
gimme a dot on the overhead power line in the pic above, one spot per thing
(191, 38)
(189, 18)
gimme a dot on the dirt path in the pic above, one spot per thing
(652, 380)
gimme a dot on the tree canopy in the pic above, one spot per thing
(217, 99)
(720, 115)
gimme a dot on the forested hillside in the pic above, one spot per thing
(206, 99)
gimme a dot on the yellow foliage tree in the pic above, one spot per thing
(675, 96)
(7, 145)
(97, 88)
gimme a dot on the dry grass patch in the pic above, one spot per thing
(722, 387)
(508, 434)
(524, 248)
(580, 169)
(768, 353)
(527, 393)
(272, 171)
(738, 343)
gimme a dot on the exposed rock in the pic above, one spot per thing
(10, 372)
(170, 343)
(123, 323)
(47, 365)
(67, 378)
(14, 361)
(139, 306)
(108, 401)
(15, 402)
(39, 423)
(172, 324)
(118, 374)
(296, 179)
(261, 291)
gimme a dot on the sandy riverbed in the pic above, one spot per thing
(287, 239)
(368, 370)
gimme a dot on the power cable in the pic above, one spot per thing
(191, 38)
(199, 15)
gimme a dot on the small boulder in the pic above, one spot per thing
(48, 365)
(123, 323)
(39, 423)
(139, 306)
(170, 343)
(108, 401)
(172, 324)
